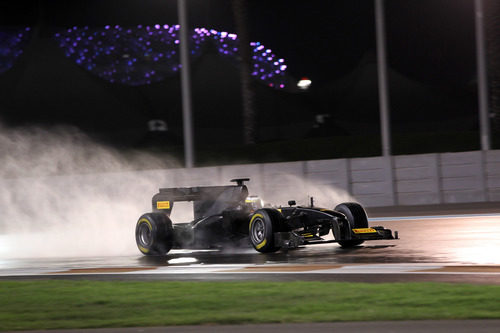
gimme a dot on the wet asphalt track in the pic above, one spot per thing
(433, 247)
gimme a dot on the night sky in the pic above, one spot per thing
(431, 48)
(431, 40)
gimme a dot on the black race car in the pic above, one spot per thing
(226, 216)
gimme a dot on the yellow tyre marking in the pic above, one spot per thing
(258, 246)
(144, 220)
(143, 249)
(253, 218)
(263, 243)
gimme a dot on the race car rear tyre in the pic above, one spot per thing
(263, 224)
(356, 216)
(154, 234)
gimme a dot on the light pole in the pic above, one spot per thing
(383, 93)
(482, 77)
(187, 119)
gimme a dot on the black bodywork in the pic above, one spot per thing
(227, 216)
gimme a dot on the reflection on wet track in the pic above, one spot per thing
(462, 240)
(457, 240)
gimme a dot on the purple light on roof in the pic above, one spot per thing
(106, 50)
(155, 51)
(264, 60)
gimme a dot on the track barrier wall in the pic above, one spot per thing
(374, 181)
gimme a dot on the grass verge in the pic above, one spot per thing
(56, 304)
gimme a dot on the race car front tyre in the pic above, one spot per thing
(154, 234)
(356, 216)
(263, 224)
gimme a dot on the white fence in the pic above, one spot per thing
(374, 181)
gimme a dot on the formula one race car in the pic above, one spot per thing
(226, 215)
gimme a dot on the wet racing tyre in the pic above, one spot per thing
(263, 224)
(154, 234)
(356, 216)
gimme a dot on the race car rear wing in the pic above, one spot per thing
(207, 199)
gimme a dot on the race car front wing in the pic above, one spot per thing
(291, 239)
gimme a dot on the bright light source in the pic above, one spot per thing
(304, 83)
(182, 260)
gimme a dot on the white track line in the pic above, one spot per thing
(403, 268)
